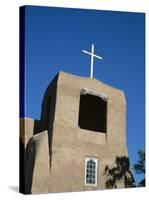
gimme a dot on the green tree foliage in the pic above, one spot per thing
(121, 171)
(139, 167)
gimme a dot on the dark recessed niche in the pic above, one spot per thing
(93, 113)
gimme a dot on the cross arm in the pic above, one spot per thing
(86, 52)
(97, 57)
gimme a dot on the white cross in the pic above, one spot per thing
(92, 59)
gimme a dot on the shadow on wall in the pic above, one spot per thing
(120, 171)
(37, 127)
(22, 167)
(48, 112)
(27, 160)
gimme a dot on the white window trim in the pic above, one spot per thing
(85, 91)
(96, 161)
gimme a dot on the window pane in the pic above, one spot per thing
(90, 171)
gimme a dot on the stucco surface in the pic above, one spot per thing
(62, 149)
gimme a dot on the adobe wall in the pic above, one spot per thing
(26, 129)
(71, 145)
(62, 149)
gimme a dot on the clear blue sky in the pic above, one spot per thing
(54, 41)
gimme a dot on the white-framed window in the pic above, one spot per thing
(91, 171)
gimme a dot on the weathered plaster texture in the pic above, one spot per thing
(59, 164)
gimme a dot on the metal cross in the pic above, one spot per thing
(92, 59)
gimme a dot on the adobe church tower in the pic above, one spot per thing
(81, 131)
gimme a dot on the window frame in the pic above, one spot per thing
(96, 162)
